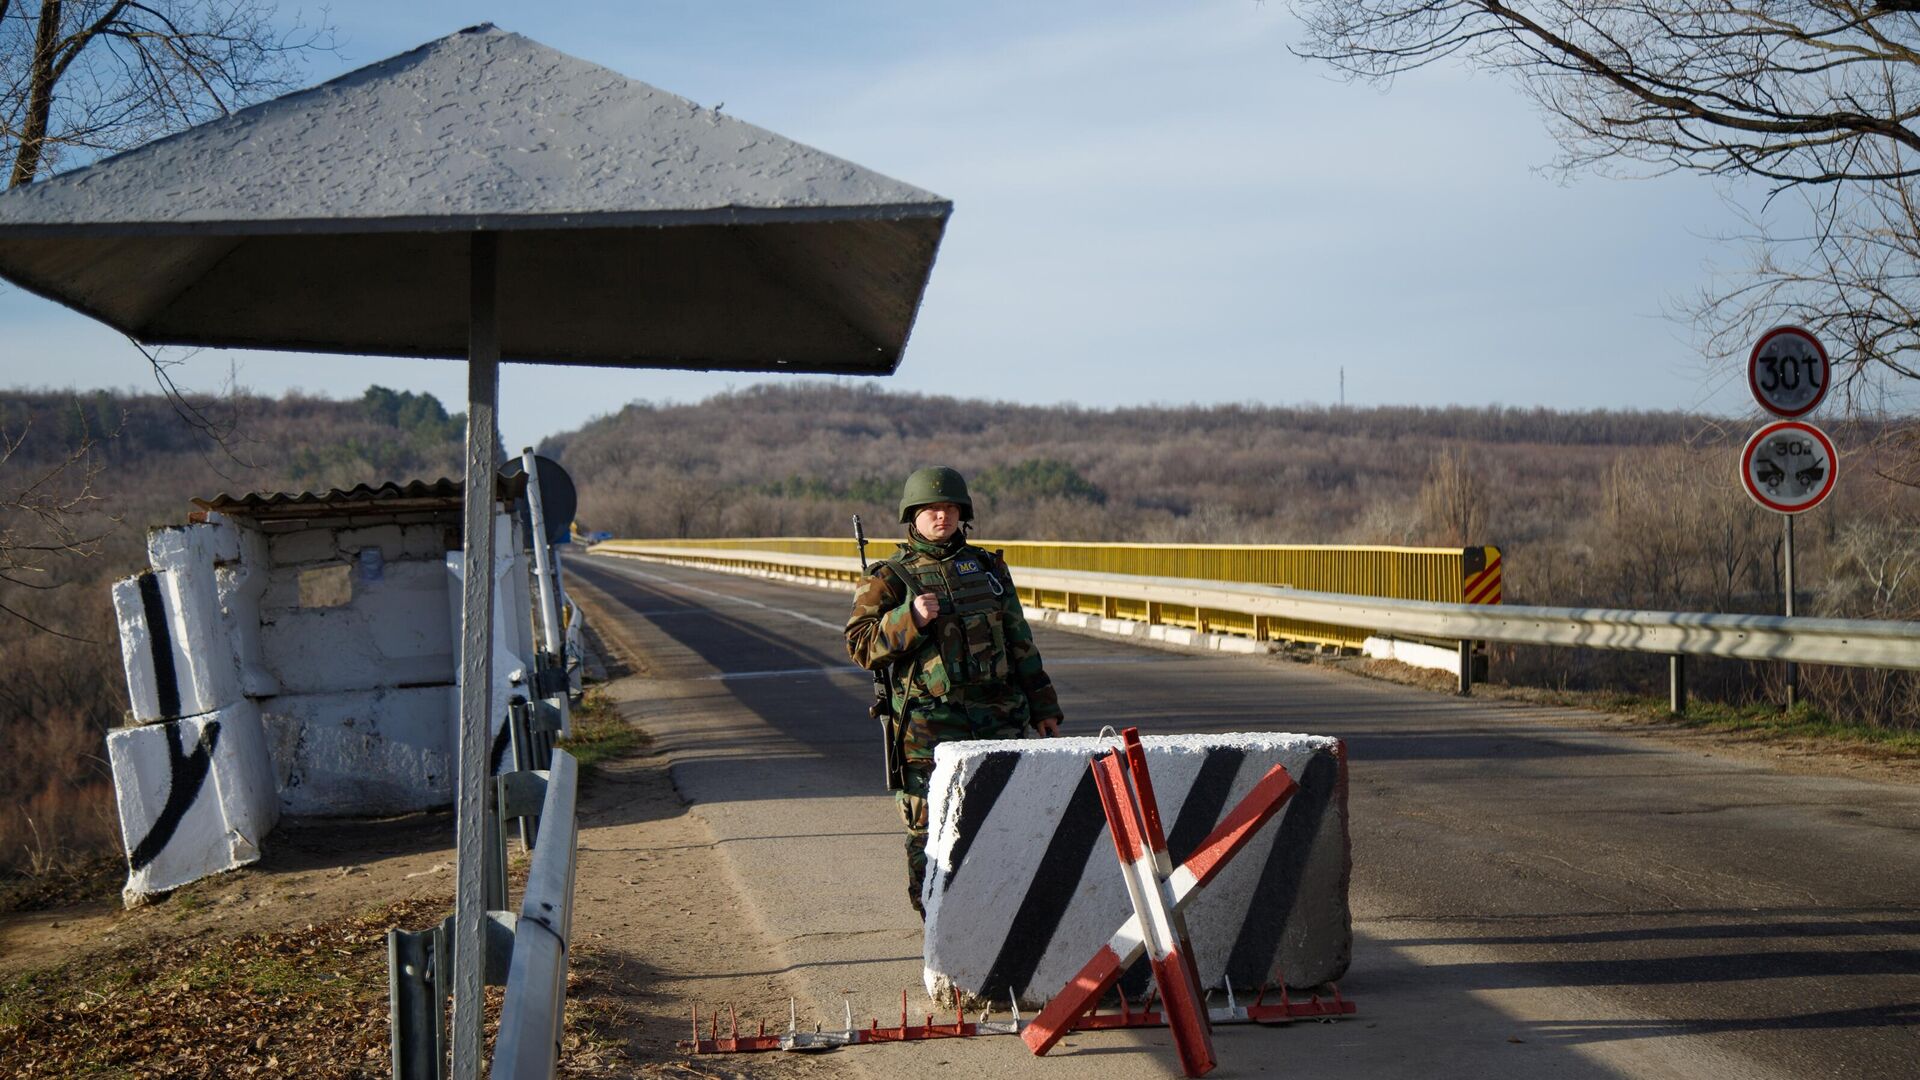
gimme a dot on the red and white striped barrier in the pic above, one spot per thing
(1160, 892)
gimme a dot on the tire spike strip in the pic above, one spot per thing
(1129, 1016)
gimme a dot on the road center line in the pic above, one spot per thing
(671, 583)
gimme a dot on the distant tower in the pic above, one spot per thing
(1343, 386)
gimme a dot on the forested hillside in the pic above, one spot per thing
(81, 479)
(1613, 509)
(1593, 507)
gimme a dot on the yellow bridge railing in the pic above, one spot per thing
(1449, 575)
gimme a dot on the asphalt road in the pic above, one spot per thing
(1533, 895)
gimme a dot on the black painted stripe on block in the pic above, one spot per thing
(1206, 800)
(983, 789)
(187, 773)
(1199, 812)
(1258, 943)
(1055, 881)
(166, 682)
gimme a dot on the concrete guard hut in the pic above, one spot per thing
(297, 654)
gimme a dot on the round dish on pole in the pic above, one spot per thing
(1789, 466)
(1788, 371)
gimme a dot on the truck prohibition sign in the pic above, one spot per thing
(1788, 371)
(1789, 466)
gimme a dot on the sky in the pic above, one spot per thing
(1153, 204)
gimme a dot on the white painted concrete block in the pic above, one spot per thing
(1417, 653)
(1023, 884)
(511, 623)
(171, 547)
(240, 585)
(380, 751)
(195, 797)
(174, 649)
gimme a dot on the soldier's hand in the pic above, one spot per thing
(925, 607)
(1048, 728)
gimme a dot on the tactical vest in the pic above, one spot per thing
(969, 635)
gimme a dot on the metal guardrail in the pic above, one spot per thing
(1848, 642)
(528, 1045)
(1444, 574)
(525, 952)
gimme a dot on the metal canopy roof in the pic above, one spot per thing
(337, 219)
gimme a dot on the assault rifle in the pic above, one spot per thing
(892, 732)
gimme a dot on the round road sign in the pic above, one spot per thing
(1789, 466)
(1787, 371)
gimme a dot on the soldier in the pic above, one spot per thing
(941, 619)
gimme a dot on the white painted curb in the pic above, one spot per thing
(1023, 885)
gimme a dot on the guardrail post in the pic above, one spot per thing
(1466, 668)
(519, 795)
(417, 1002)
(494, 863)
(544, 723)
(1677, 684)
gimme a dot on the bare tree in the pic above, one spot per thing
(79, 78)
(1453, 501)
(82, 78)
(1814, 97)
(45, 516)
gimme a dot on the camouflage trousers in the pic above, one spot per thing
(912, 801)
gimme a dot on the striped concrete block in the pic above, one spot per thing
(195, 797)
(1023, 885)
(178, 659)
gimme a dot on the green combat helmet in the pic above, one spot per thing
(935, 484)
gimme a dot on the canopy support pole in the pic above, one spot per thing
(476, 660)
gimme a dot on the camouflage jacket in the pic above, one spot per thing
(971, 672)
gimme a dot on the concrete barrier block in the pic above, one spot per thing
(381, 751)
(211, 543)
(1416, 653)
(241, 584)
(1023, 885)
(195, 797)
(178, 657)
(512, 618)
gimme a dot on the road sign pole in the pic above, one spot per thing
(476, 662)
(1793, 669)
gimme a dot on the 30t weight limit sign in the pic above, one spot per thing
(1788, 371)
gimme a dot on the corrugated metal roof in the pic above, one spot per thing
(390, 497)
